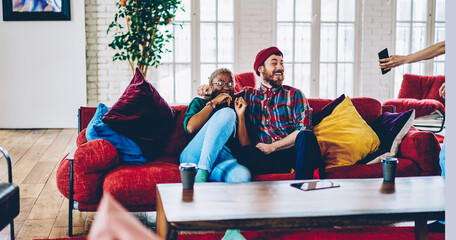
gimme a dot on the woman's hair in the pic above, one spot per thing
(217, 72)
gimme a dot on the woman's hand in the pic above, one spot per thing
(393, 61)
(239, 106)
(222, 98)
(442, 90)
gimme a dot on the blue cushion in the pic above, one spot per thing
(129, 151)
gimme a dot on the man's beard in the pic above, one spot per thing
(268, 77)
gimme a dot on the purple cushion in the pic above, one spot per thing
(142, 115)
(327, 110)
(390, 128)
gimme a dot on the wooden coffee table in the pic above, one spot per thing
(274, 205)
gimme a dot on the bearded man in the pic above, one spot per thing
(281, 137)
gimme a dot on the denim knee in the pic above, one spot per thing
(238, 174)
(225, 114)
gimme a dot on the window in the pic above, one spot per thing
(174, 75)
(217, 31)
(305, 33)
(194, 57)
(419, 24)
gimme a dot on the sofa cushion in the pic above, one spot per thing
(344, 137)
(135, 186)
(129, 151)
(178, 140)
(422, 147)
(391, 128)
(405, 168)
(369, 108)
(142, 115)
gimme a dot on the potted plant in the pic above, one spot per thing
(139, 37)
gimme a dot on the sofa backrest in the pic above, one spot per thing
(421, 87)
(369, 109)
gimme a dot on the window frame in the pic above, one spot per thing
(195, 51)
(315, 62)
(430, 39)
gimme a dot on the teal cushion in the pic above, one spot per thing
(129, 152)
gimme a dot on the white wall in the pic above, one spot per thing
(43, 71)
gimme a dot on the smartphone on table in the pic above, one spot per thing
(314, 185)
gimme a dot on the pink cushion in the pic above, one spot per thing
(142, 115)
(113, 221)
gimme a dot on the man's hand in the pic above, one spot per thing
(393, 61)
(442, 90)
(266, 148)
(239, 106)
(204, 90)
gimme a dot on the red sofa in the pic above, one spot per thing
(96, 165)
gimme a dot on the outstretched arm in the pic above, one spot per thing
(427, 53)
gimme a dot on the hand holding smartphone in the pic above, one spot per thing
(384, 54)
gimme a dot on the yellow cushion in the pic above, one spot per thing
(344, 137)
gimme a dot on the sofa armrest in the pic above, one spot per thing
(423, 148)
(92, 160)
(422, 107)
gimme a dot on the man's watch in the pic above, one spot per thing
(210, 103)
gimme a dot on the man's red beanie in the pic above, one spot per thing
(263, 55)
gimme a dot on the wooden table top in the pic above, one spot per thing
(275, 200)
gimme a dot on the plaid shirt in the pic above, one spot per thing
(277, 112)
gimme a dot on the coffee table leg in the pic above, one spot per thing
(164, 230)
(421, 231)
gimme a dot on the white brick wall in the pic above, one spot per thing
(377, 34)
(107, 79)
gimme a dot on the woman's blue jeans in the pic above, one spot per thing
(208, 151)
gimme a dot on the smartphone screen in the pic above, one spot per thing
(384, 54)
(315, 185)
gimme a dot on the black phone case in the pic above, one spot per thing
(384, 54)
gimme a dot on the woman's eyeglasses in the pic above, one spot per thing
(222, 84)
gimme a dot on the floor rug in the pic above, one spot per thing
(367, 233)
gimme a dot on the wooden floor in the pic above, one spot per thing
(35, 155)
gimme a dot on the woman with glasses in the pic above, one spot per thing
(212, 124)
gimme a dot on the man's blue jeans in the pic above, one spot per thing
(208, 151)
